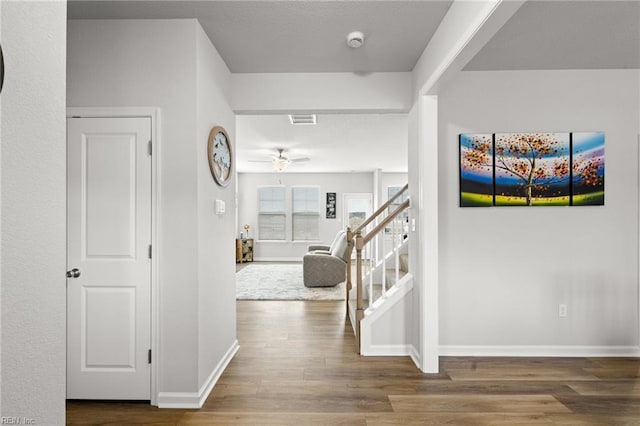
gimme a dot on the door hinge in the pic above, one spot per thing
(150, 252)
(150, 148)
(149, 356)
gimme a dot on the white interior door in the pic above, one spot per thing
(108, 238)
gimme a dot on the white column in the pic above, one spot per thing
(428, 232)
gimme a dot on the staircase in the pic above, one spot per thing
(378, 289)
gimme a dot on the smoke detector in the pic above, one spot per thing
(355, 39)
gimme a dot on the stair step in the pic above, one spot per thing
(404, 262)
(391, 276)
(377, 292)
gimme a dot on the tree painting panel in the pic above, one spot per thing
(588, 168)
(532, 169)
(476, 170)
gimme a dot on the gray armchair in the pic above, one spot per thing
(326, 266)
(326, 248)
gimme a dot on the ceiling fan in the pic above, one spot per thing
(280, 162)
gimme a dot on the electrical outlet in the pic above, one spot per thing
(562, 310)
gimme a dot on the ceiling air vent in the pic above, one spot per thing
(302, 118)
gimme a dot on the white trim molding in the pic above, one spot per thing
(388, 350)
(638, 239)
(545, 351)
(197, 399)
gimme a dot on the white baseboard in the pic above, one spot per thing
(550, 351)
(387, 350)
(197, 399)
(277, 259)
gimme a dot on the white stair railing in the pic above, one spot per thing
(370, 242)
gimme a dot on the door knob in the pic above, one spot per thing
(74, 273)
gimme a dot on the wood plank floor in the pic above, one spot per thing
(296, 365)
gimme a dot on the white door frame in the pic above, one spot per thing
(154, 115)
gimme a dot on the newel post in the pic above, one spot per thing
(349, 286)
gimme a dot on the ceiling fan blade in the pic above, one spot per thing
(298, 160)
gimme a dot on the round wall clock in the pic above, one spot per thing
(220, 155)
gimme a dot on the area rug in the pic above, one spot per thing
(276, 281)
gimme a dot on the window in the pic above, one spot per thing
(306, 213)
(271, 213)
(404, 216)
(393, 190)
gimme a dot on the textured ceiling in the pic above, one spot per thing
(338, 143)
(310, 36)
(295, 36)
(547, 35)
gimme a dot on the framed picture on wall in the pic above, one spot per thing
(532, 169)
(331, 205)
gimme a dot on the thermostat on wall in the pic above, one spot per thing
(220, 207)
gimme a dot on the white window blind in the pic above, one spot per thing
(306, 213)
(271, 213)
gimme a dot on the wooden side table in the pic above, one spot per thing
(244, 250)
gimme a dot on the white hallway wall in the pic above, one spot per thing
(216, 255)
(32, 122)
(124, 63)
(391, 179)
(321, 92)
(503, 271)
(466, 27)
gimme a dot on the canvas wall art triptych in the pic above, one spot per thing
(531, 169)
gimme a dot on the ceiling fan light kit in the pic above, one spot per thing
(280, 164)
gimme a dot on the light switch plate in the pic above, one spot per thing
(220, 207)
